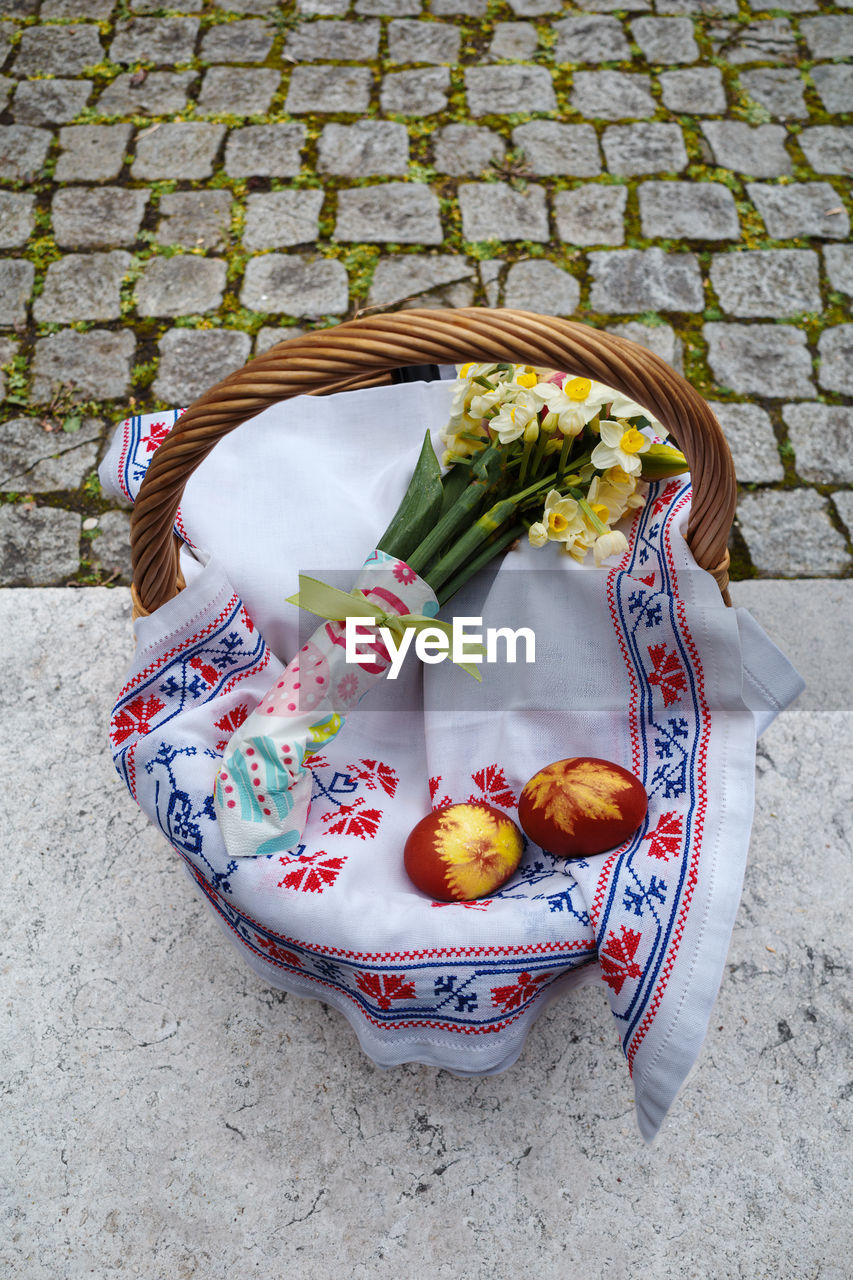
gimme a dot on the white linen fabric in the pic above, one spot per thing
(639, 663)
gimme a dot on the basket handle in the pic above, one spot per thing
(358, 353)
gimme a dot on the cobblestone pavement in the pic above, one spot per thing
(181, 187)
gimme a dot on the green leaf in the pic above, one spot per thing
(420, 508)
(71, 423)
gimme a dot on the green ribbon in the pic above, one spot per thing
(335, 605)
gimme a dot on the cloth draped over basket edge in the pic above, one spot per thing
(201, 660)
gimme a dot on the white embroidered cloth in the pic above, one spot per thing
(641, 664)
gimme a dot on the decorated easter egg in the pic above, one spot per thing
(462, 852)
(575, 808)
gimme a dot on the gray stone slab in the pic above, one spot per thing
(272, 335)
(828, 148)
(195, 219)
(83, 286)
(265, 150)
(295, 285)
(391, 8)
(778, 89)
(767, 40)
(180, 286)
(421, 92)
(644, 148)
(93, 10)
(514, 41)
(261, 7)
(410, 41)
(535, 284)
(16, 284)
(16, 218)
(834, 84)
(592, 214)
(39, 546)
(58, 50)
(364, 149)
(665, 41)
(326, 89)
(177, 150)
(193, 360)
(142, 991)
(842, 500)
(276, 219)
(231, 42)
(332, 40)
(659, 338)
(769, 360)
(688, 211)
(829, 36)
(464, 8)
(23, 150)
(161, 93)
(559, 149)
(33, 460)
(40, 102)
(835, 350)
(839, 266)
(697, 91)
(238, 91)
(821, 436)
(396, 212)
(505, 90)
(767, 282)
(163, 41)
(633, 280)
(97, 363)
(441, 279)
(698, 7)
(800, 209)
(109, 549)
(790, 535)
(758, 151)
(590, 38)
(466, 150)
(92, 152)
(752, 441)
(102, 216)
(612, 95)
(494, 211)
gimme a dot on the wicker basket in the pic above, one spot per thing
(360, 353)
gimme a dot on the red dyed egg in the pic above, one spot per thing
(575, 808)
(462, 852)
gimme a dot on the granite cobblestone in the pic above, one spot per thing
(674, 170)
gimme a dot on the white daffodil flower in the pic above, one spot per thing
(537, 535)
(619, 447)
(612, 543)
(562, 518)
(511, 421)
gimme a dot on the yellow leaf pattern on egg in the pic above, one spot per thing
(476, 850)
(569, 792)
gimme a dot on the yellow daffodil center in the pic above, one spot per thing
(557, 522)
(526, 379)
(632, 441)
(601, 511)
(577, 388)
(465, 370)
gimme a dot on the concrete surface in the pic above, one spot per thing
(167, 1116)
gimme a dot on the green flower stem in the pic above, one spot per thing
(593, 519)
(525, 459)
(454, 559)
(457, 515)
(493, 547)
(565, 450)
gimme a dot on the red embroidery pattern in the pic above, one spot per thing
(434, 784)
(275, 952)
(667, 836)
(345, 821)
(311, 872)
(616, 957)
(375, 773)
(385, 987)
(230, 724)
(668, 673)
(136, 717)
(494, 787)
(206, 670)
(156, 436)
(510, 997)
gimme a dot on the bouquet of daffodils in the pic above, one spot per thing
(558, 458)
